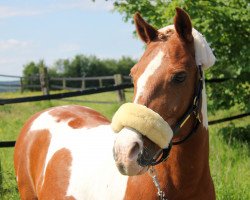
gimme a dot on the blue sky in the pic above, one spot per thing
(31, 30)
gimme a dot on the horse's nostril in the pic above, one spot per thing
(134, 151)
(121, 168)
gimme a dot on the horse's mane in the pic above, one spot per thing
(203, 53)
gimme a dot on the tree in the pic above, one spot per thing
(82, 65)
(225, 24)
(30, 69)
(125, 64)
(31, 75)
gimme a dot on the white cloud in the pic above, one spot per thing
(69, 47)
(4, 61)
(87, 5)
(6, 12)
(11, 44)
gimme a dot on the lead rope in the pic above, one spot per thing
(153, 174)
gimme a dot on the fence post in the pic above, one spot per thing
(119, 80)
(64, 83)
(83, 83)
(100, 82)
(44, 80)
(21, 84)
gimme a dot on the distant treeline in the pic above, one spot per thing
(79, 66)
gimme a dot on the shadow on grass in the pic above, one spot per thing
(241, 134)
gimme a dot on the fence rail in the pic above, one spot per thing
(82, 78)
(12, 85)
(64, 83)
(59, 83)
(66, 94)
(10, 76)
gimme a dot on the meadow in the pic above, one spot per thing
(229, 142)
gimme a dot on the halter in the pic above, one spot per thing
(192, 110)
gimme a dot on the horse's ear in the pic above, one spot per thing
(145, 31)
(183, 25)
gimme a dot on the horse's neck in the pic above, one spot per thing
(191, 155)
(187, 167)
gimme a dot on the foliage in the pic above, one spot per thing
(79, 66)
(90, 66)
(231, 133)
(82, 65)
(30, 69)
(225, 24)
(31, 74)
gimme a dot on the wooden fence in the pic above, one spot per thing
(46, 83)
(116, 79)
(83, 80)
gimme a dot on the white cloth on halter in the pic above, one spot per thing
(203, 53)
(145, 121)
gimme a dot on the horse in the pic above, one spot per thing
(161, 148)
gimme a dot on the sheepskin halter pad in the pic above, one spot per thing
(145, 121)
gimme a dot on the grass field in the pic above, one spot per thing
(229, 143)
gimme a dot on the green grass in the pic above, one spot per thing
(229, 143)
(229, 162)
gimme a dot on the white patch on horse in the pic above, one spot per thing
(94, 174)
(124, 142)
(149, 71)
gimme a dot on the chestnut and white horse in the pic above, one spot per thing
(71, 152)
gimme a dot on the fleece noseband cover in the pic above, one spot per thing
(145, 121)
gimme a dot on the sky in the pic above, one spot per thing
(31, 30)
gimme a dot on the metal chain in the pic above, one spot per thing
(153, 174)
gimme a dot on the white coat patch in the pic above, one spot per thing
(149, 71)
(94, 174)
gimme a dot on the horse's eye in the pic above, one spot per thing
(179, 77)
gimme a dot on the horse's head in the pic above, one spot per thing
(165, 81)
